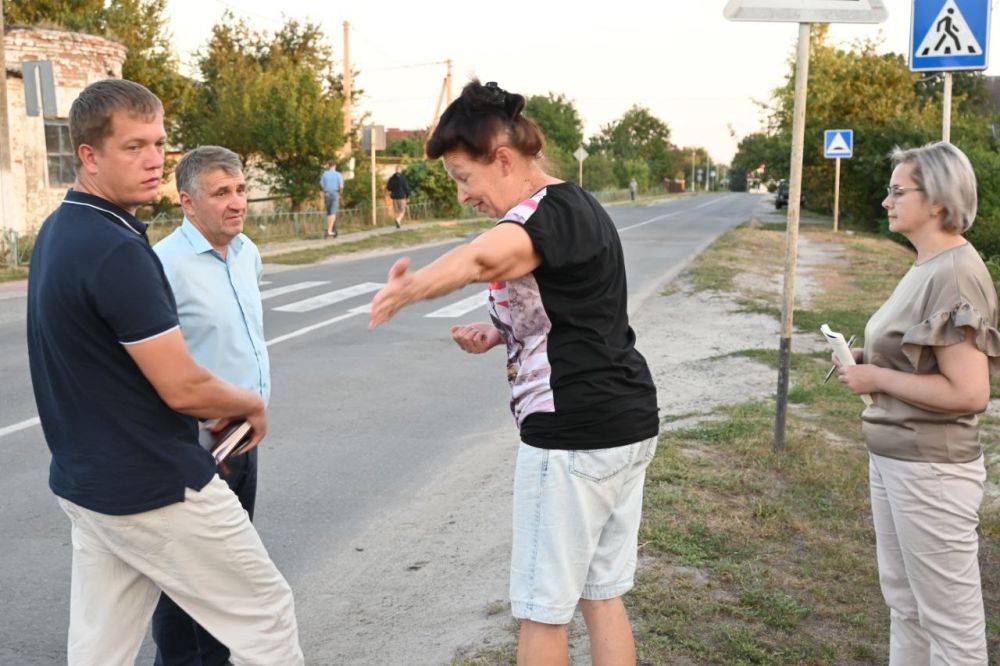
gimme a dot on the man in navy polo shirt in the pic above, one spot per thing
(118, 395)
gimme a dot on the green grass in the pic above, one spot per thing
(12, 274)
(505, 655)
(398, 239)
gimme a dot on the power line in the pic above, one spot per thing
(394, 67)
(375, 45)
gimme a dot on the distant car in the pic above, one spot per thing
(781, 195)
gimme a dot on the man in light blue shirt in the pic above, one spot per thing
(214, 271)
(333, 184)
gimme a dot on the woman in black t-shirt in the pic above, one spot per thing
(582, 396)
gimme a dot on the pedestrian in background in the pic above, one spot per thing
(399, 191)
(633, 189)
(928, 355)
(332, 182)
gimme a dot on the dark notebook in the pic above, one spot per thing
(230, 441)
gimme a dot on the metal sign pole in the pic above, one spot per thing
(836, 195)
(5, 157)
(374, 206)
(792, 232)
(946, 109)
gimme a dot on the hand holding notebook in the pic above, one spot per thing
(842, 352)
(231, 440)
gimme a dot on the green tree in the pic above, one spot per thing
(560, 163)
(599, 172)
(273, 99)
(220, 109)
(887, 105)
(432, 185)
(296, 129)
(141, 25)
(639, 135)
(772, 151)
(557, 116)
(625, 170)
(408, 146)
(77, 15)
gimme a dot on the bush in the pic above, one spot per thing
(358, 190)
(625, 170)
(993, 264)
(432, 184)
(598, 172)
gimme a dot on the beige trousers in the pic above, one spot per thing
(925, 517)
(204, 553)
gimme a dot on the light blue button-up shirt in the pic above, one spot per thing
(218, 302)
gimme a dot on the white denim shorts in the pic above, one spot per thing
(576, 527)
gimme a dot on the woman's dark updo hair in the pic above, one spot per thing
(482, 117)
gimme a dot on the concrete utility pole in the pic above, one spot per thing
(694, 183)
(348, 86)
(447, 81)
(5, 175)
(444, 94)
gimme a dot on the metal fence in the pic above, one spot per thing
(15, 248)
(277, 226)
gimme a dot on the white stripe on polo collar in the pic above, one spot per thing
(105, 210)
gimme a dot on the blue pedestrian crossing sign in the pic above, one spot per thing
(838, 143)
(949, 35)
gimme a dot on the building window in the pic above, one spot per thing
(59, 152)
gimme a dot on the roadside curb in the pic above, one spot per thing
(275, 249)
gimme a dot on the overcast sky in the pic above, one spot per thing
(694, 69)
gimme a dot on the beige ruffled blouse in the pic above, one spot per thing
(929, 308)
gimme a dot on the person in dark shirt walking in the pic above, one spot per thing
(581, 394)
(399, 190)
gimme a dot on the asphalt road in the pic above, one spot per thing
(360, 422)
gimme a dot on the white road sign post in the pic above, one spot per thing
(805, 13)
(837, 144)
(373, 138)
(948, 36)
(580, 156)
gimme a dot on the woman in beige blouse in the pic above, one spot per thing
(928, 355)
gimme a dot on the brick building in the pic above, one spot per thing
(40, 151)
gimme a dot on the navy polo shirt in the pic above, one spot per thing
(95, 286)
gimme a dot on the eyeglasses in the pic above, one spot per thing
(896, 192)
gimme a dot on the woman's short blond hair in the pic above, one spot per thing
(946, 175)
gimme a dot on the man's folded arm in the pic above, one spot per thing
(184, 385)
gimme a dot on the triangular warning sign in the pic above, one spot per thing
(949, 35)
(838, 145)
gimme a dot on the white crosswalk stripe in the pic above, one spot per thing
(29, 423)
(288, 289)
(264, 283)
(459, 308)
(353, 312)
(329, 298)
